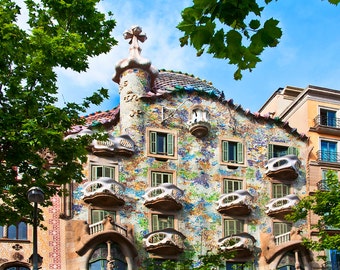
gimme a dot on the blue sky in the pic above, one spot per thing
(308, 53)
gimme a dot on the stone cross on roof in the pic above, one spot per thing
(135, 60)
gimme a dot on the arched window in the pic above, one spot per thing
(288, 261)
(107, 255)
(15, 231)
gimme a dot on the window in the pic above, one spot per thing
(14, 232)
(328, 151)
(158, 178)
(161, 222)
(231, 185)
(328, 118)
(98, 215)
(233, 226)
(232, 152)
(281, 228)
(161, 143)
(239, 266)
(99, 257)
(103, 171)
(280, 190)
(280, 150)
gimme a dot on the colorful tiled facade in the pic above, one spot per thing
(184, 172)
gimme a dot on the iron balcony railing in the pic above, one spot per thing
(328, 156)
(331, 122)
(322, 185)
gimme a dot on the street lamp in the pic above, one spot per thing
(35, 195)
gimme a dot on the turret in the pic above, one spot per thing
(135, 77)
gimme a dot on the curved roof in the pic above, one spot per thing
(170, 82)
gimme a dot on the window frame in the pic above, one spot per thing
(155, 218)
(239, 152)
(103, 212)
(94, 174)
(291, 150)
(238, 223)
(234, 182)
(170, 143)
(326, 121)
(276, 185)
(288, 225)
(153, 172)
(331, 159)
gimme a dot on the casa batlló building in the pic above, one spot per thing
(184, 172)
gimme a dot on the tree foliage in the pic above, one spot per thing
(231, 30)
(32, 128)
(325, 203)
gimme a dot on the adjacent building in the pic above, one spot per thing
(314, 111)
(184, 172)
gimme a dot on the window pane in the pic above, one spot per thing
(231, 185)
(12, 232)
(22, 231)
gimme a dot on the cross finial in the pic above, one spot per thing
(134, 34)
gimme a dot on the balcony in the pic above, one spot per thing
(104, 192)
(328, 157)
(272, 245)
(285, 167)
(199, 125)
(121, 145)
(163, 197)
(241, 244)
(280, 207)
(238, 203)
(327, 125)
(167, 242)
(322, 185)
(86, 235)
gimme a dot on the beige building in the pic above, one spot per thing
(314, 111)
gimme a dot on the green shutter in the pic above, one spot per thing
(170, 221)
(240, 152)
(293, 151)
(170, 144)
(153, 142)
(155, 224)
(270, 151)
(225, 152)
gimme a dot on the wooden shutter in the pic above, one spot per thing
(292, 151)
(153, 142)
(155, 224)
(225, 152)
(170, 144)
(240, 152)
(270, 151)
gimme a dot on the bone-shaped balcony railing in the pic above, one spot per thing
(235, 198)
(283, 203)
(284, 162)
(164, 237)
(162, 191)
(242, 240)
(103, 184)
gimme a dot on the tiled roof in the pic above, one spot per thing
(171, 82)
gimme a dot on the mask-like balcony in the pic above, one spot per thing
(163, 197)
(285, 167)
(280, 207)
(167, 242)
(198, 124)
(122, 145)
(327, 125)
(104, 192)
(241, 244)
(238, 203)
